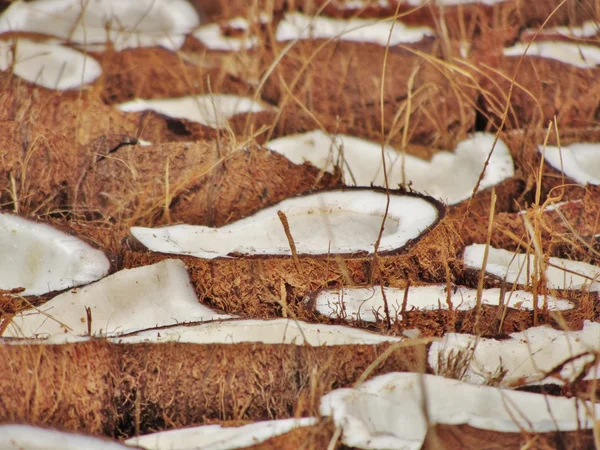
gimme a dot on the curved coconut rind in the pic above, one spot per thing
(387, 412)
(528, 357)
(41, 259)
(124, 302)
(216, 436)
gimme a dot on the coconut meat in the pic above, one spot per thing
(28, 437)
(330, 222)
(276, 331)
(127, 24)
(579, 55)
(217, 437)
(526, 358)
(368, 303)
(295, 26)
(127, 301)
(449, 176)
(48, 64)
(387, 411)
(210, 110)
(577, 161)
(41, 259)
(520, 268)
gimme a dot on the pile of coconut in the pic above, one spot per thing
(320, 224)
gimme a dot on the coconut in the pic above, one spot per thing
(27, 437)
(122, 389)
(578, 161)
(277, 331)
(145, 23)
(202, 183)
(519, 268)
(330, 222)
(48, 64)
(215, 437)
(369, 304)
(533, 356)
(41, 259)
(387, 412)
(451, 177)
(126, 301)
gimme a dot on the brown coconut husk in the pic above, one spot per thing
(209, 183)
(331, 85)
(257, 285)
(121, 390)
(544, 88)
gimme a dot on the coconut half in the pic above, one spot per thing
(387, 411)
(578, 161)
(48, 64)
(526, 358)
(41, 259)
(296, 26)
(127, 24)
(212, 36)
(210, 110)
(574, 54)
(368, 303)
(127, 301)
(27, 437)
(276, 331)
(520, 268)
(330, 222)
(449, 176)
(217, 437)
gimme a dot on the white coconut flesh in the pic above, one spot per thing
(211, 35)
(296, 26)
(519, 268)
(276, 331)
(331, 222)
(127, 24)
(127, 301)
(368, 303)
(449, 176)
(210, 110)
(27, 437)
(527, 357)
(48, 64)
(387, 411)
(41, 259)
(217, 437)
(586, 29)
(581, 161)
(574, 54)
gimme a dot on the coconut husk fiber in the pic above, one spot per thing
(122, 389)
(329, 79)
(203, 182)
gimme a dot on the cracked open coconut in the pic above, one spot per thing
(42, 259)
(127, 301)
(369, 304)
(330, 222)
(48, 64)
(210, 110)
(528, 357)
(520, 268)
(387, 411)
(126, 24)
(578, 161)
(449, 176)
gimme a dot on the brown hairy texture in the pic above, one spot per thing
(116, 389)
